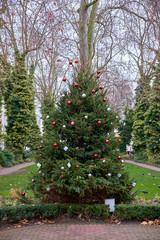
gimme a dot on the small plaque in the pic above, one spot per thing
(111, 203)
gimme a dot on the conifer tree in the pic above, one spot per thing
(78, 159)
(152, 119)
(125, 129)
(141, 106)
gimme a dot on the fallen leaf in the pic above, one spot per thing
(17, 225)
(144, 223)
(51, 221)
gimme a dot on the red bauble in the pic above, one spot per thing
(62, 175)
(23, 194)
(107, 184)
(99, 122)
(107, 141)
(122, 165)
(76, 84)
(101, 87)
(40, 147)
(76, 61)
(77, 166)
(70, 62)
(55, 145)
(95, 155)
(72, 123)
(40, 155)
(93, 91)
(98, 76)
(119, 157)
(53, 123)
(119, 140)
(104, 99)
(98, 71)
(134, 198)
(52, 128)
(69, 103)
(130, 187)
(64, 79)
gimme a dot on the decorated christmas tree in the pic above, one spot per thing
(78, 159)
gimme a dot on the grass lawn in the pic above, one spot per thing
(16, 180)
(144, 178)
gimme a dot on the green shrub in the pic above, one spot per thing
(9, 158)
(139, 212)
(1, 214)
(18, 213)
(27, 155)
(141, 157)
(2, 158)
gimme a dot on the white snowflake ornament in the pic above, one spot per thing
(65, 148)
(68, 165)
(108, 109)
(62, 167)
(38, 165)
(109, 174)
(119, 175)
(133, 184)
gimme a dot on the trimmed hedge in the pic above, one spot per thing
(139, 212)
(17, 213)
(96, 211)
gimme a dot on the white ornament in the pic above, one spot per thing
(122, 160)
(86, 117)
(47, 117)
(83, 95)
(62, 167)
(119, 175)
(32, 180)
(65, 148)
(133, 184)
(42, 174)
(69, 165)
(39, 171)
(108, 109)
(89, 175)
(48, 189)
(109, 174)
(116, 116)
(63, 95)
(38, 165)
(64, 126)
(104, 160)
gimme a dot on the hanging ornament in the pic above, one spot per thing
(76, 61)
(72, 123)
(62, 168)
(107, 184)
(65, 148)
(40, 155)
(77, 166)
(98, 76)
(68, 165)
(52, 128)
(99, 122)
(108, 109)
(98, 71)
(95, 155)
(93, 91)
(40, 147)
(119, 157)
(86, 117)
(48, 189)
(53, 123)
(76, 84)
(47, 117)
(133, 184)
(70, 62)
(119, 140)
(122, 165)
(122, 160)
(55, 145)
(38, 165)
(69, 103)
(64, 126)
(23, 194)
(107, 141)
(34, 180)
(89, 175)
(116, 116)
(101, 87)
(109, 174)
(64, 79)
(83, 95)
(62, 175)
(130, 187)
(104, 99)
(104, 160)
(119, 175)
(39, 171)
(63, 95)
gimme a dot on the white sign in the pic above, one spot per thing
(111, 203)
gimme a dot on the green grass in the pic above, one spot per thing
(144, 182)
(16, 180)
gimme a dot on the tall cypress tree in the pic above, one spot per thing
(19, 104)
(152, 119)
(141, 106)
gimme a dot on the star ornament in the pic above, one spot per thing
(38, 165)
(68, 165)
(65, 148)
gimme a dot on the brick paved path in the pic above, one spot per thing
(127, 231)
(15, 168)
(144, 165)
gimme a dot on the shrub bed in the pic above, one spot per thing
(139, 212)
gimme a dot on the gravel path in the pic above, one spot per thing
(15, 168)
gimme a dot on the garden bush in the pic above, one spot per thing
(141, 157)
(9, 158)
(2, 158)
